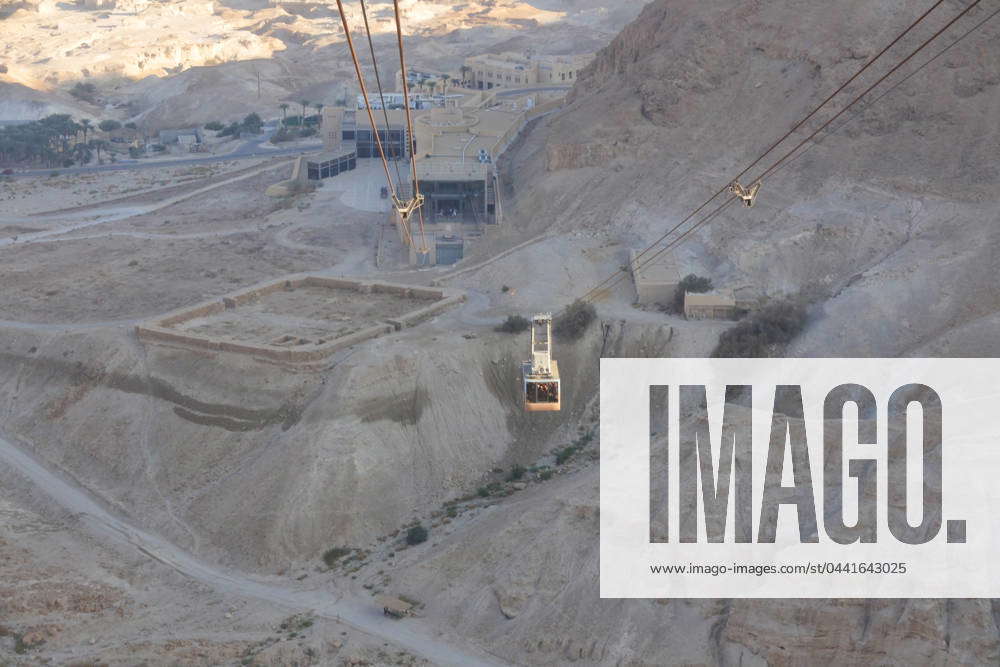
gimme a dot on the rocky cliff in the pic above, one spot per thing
(888, 224)
(883, 218)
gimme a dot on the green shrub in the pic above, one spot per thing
(575, 319)
(231, 130)
(765, 333)
(516, 473)
(514, 324)
(331, 556)
(690, 283)
(416, 535)
(84, 91)
(214, 125)
(565, 454)
(545, 475)
(252, 123)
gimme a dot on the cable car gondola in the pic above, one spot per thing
(540, 376)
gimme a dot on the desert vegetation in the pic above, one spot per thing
(690, 283)
(514, 324)
(765, 333)
(573, 322)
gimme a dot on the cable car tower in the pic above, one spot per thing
(540, 375)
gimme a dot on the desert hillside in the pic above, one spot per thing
(295, 487)
(891, 205)
(167, 63)
(889, 221)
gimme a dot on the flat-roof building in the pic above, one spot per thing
(656, 280)
(191, 135)
(718, 305)
(512, 70)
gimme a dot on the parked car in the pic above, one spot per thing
(9, 172)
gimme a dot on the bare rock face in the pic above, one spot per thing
(895, 200)
(576, 156)
(890, 222)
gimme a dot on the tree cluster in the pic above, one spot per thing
(765, 333)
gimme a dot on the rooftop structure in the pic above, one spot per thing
(394, 606)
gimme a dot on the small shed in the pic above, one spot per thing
(720, 305)
(394, 606)
(187, 136)
(656, 280)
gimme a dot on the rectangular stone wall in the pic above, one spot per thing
(161, 330)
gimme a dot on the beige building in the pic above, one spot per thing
(457, 144)
(656, 280)
(511, 70)
(718, 305)
(558, 70)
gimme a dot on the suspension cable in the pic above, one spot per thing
(619, 275)
(371, 117)
(798, 125)
(417, 198)
(784, 160)
(378, 82)
(364, 91)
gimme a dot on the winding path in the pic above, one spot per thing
(93, 217)
(362, 614)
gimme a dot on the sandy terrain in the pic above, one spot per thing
(174, 64)
(57, 192)
(233, 476)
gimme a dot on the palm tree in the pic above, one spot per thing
(446, 78)
(284, 112)
(319, 112)
(304, 104)
(81, 153)
(85, 123)
(97, 145)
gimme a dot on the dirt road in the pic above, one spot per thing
(360, 613)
